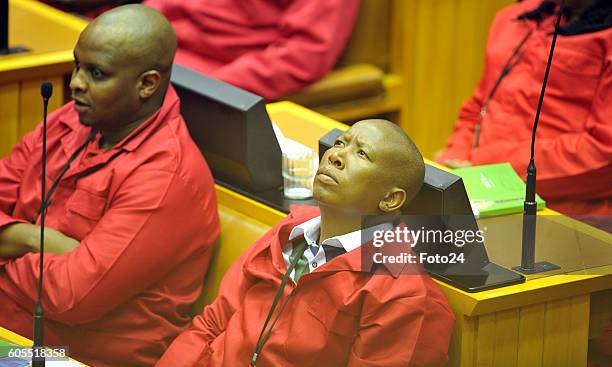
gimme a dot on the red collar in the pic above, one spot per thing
(351, 261)
(134, 139)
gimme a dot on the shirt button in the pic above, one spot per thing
(314, 264)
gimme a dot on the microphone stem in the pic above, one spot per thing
(39, 317)
(530, 205)
(548, 64)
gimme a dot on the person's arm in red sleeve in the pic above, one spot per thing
(312, 34)
(150, 227)
(575, 164)
(408, 331)
(11, 172)
(159, 5)
(17, 236)
(459, 144)
(191, 347)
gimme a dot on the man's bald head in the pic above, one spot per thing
(123, 62)
(408, 169)
(141, 35)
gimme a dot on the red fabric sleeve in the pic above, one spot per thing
(11, 173)
(576, 164)
(312, 34)
(159, 5)
(459, 144)
(127, 251)
(408, 331)
(191, 347)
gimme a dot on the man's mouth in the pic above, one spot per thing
(80, 105)
(324, 175)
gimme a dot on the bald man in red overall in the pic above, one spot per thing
(344, 310)
(130, 229)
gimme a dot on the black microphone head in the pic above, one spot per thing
(46, 89)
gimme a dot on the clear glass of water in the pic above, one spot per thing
(299, 167)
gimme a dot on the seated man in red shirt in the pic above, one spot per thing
(335, 311)
(130, 228)
(573, 151)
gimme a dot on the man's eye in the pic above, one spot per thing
(96, 74)
(338, 143)
(362, 153)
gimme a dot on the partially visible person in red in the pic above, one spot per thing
(130, 229)
(339, 306)
(269, 47)
(573, 150)
(87, 8)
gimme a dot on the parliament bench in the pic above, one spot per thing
(365, 82)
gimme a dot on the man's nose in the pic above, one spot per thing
(77, 81)
(336, 158)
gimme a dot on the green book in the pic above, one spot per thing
(5, 348)
(495, 189)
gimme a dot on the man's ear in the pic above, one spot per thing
(148, 83)
(393, 200)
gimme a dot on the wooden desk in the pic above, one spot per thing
(543, 322)
(50, 35)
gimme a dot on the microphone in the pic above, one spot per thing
(528, 265)
(46, 90)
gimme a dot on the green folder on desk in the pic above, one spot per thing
(495, 189)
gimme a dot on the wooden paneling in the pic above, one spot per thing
(578, 331)
(506, 338)
(485, 342)
(544, 334)
(531, 333)
(441, 59)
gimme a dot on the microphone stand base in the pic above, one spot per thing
(539, 267)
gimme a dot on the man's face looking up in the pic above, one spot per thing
(355, 173)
